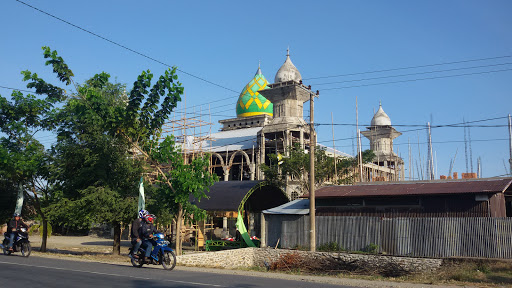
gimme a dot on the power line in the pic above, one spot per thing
(124, 47)
(411, 67)
(410, 74)
(419, 79)
(434, 126)
(231, 90)
(16, 89)
(419, 129)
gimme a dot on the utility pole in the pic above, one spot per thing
(431, 158)
(466, 144)
(312, 144)
(510, 142)
(359, 156)
(334, 150)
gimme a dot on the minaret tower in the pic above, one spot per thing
(287, 127)
(381, 135)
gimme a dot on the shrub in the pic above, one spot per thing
(371, 248)
(330, 247)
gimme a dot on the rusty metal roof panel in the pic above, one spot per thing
(418, 188)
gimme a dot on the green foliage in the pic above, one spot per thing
(296, 166)
(38, 228)
(300, 247)
(329, 247)
(186, 179)
(143, 125)
(60, 68)
(371, 248)
(95, 169)
(8, 192)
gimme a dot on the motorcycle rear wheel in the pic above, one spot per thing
(26, 249)
(137, 262)
(168, 260)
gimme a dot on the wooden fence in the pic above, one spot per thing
(417, 237)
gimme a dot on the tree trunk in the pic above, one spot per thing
(45, 222)
(117, 238)
(178, 229)
(45, 235)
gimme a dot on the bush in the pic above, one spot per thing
(371, 248)
(300, 247)
(38, 228)
(330, 247)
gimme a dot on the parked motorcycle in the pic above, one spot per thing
(162, 254)
(21, 243)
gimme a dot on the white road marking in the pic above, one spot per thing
(115, 275)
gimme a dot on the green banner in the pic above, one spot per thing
(240, 225)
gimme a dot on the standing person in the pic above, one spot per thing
(134, 233)
(13, 227)
(146, 232)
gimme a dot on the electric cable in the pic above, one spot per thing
(411, 74)
(125, 47)
(411, 67)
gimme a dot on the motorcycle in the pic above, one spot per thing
(20, 244)
(161, 254)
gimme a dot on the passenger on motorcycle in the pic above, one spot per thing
(134, 233)
(13, 227)
(146, 232)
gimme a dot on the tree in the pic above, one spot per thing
(96, 170)
(183, 180)
(296, 167)
(23, 157)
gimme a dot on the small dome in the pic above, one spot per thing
(252, 103)
(381, 118)
(288, 71)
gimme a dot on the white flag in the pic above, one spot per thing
(19, 201)
(142, 200)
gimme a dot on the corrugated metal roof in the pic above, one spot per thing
(232, 140)
(419, 188)
(242, 139)
(295, 207)
(331, 151)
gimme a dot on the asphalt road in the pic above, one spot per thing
(17, 271)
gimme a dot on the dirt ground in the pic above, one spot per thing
(80, 243)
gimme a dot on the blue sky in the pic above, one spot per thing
(223, 41)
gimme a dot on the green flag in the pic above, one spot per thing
(243, 231)
(142, 200)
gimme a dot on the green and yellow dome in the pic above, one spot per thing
(250, 102)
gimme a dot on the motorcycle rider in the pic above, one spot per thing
(146, 232)
(13, 227)
(134, 233)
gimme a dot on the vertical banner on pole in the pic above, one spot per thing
(142, 200)
(19, 200)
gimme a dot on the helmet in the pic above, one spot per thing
(149, 218)
(143, 213)
(16, 215)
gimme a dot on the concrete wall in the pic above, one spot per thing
(250, 257)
